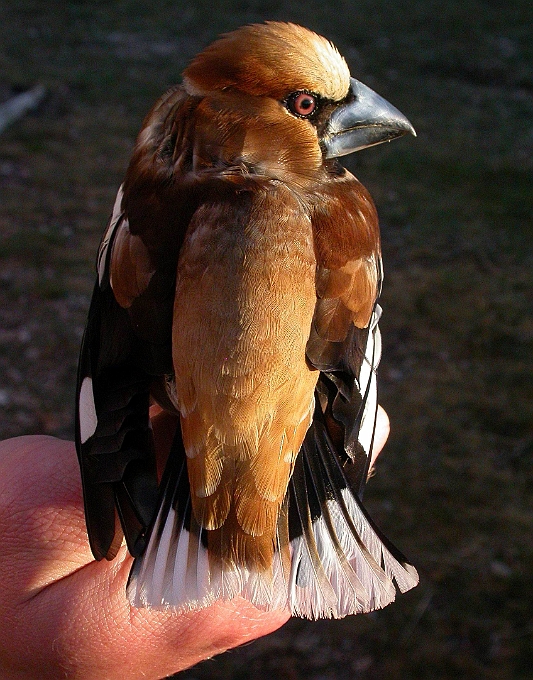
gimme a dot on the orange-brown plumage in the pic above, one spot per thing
(249, 61)
(245, 263)
(241, 375)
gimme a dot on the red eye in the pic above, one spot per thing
(302, 104)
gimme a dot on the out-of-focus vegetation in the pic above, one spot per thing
(454, 488)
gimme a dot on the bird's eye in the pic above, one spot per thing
(302, 104)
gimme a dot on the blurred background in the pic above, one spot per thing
(454, 486)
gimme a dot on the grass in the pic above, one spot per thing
(454, 488)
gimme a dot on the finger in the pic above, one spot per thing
(71, 613)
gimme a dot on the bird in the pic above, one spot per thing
(237, 288)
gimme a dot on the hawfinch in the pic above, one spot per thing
(237, 288)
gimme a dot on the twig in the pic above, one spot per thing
(17, 106)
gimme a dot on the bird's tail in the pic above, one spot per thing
(177, 570)
(329, 560)
(340, 562)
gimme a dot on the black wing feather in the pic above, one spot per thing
(342, 396)
(113, 435)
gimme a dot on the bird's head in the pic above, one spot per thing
(279, 98)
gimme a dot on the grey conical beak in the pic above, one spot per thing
(365, 120)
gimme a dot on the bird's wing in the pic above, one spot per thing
(113, 436)
(126, 347)
(341, 563)
(344, 343)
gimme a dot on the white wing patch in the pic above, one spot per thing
(87, 410)
(102, 251)
(368, 382)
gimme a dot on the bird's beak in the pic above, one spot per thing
(365, 120)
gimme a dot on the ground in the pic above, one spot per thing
(454, 487)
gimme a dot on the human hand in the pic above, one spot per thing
(62, 614)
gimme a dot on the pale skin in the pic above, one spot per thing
(64, 615)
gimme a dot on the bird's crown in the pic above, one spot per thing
(273, 59)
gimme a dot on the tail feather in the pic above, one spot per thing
(329, 561)
(329, 558)
(177, 570)
(349, 579)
